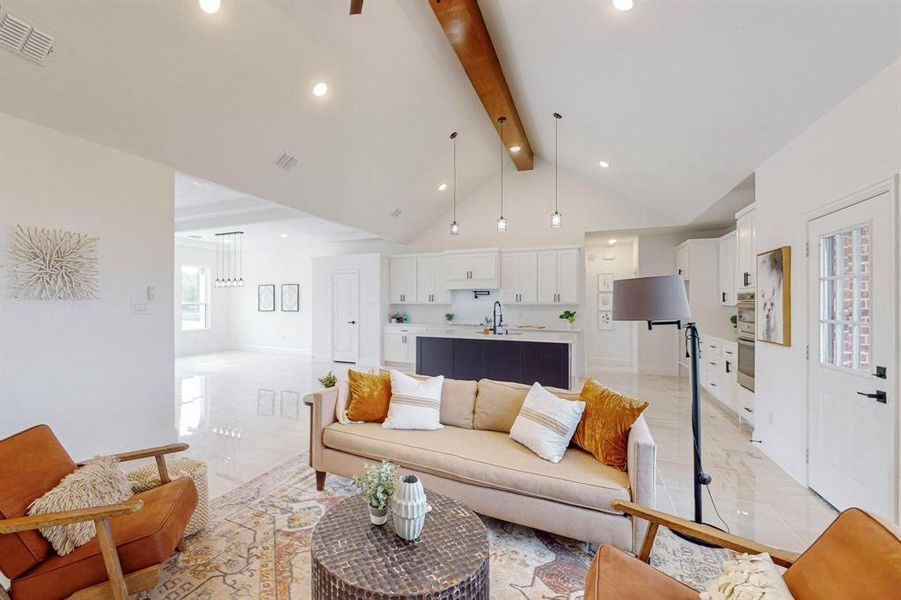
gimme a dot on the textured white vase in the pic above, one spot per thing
(409, 507)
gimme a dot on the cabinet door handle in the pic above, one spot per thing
(728, 367)
(724, 296)
(747, 279)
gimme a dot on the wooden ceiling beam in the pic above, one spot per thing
(465, 29)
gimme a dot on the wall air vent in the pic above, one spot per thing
(20, 37)
(286, 161)
(396, 212)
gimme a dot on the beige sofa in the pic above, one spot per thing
(473, 460)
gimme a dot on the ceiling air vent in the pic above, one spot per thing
(23, 39)
(286, 161)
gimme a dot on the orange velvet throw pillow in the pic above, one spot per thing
(604, 428)
(370, 394)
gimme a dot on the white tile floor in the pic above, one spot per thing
(243, 413)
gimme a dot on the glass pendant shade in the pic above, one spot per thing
(502, 224)
(454, 229)
(556, 220)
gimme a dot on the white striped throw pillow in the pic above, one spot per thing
(415, 404)
(546, 423)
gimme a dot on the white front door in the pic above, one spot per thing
(852, 366)
(345, 314)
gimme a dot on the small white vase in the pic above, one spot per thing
(409, 507)
(378, 516)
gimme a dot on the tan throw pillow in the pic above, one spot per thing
(750, 577)
(498, 403)
(604, 428)
(97, 483)
(370, 394)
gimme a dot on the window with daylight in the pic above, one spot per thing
(845, 298)
(195, 294)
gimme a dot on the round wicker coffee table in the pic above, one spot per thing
(352, 558)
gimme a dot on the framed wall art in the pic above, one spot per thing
(290, 297)
(266, 297)
(774, 296)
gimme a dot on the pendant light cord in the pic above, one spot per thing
(454, 137)
(502, 120)
(556, 160)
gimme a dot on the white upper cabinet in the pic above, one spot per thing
(683, 260)
(519, 277)
(558, 276)
(727, 262)
(746, 254)
(430, 288)
(472, 270)
(403, 279)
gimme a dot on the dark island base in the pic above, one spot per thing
(501, 360)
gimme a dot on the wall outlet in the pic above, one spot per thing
(140, 308)
(769, 417)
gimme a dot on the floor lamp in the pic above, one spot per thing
(663, 301)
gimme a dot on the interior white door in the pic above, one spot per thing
(345, 316)
(852, 313)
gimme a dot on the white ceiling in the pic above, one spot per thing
(685, 99)
(204, 208)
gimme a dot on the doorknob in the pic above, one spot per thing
(878, 396)
(352, 322)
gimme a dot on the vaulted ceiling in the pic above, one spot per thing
(683, 99)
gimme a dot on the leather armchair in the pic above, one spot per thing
(133, 537)
(858, 556)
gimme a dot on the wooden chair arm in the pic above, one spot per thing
(152, 452)
(69, 516)
(701, 532)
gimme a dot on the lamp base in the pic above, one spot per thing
(697, 541)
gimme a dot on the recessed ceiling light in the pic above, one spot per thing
(196, 237)
(604, 164)
(210, 7)
(442, 187)
(611, 242)
(284, 235)
(201, 183)
(320, 89)
(623, 4)
(515, 148)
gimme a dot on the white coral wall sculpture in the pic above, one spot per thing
(52, 264)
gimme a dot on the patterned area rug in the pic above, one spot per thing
(257, 545)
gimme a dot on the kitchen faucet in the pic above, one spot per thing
(497, 318)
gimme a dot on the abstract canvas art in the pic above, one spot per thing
(290, 297)
(53, 264)
(774, 296)
(266, 297)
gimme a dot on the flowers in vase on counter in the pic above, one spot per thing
(398, 317)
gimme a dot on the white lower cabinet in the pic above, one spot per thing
(718, 374)
(400, 346)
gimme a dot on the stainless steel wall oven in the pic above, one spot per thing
(747, 333)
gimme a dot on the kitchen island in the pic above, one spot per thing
(518, 356)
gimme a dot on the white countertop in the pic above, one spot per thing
(513, 336)
(478, 329)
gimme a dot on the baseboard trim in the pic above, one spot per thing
(618, 364)
(281, 349)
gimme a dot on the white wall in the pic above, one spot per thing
(279, 330)
(657, 348)
(218, 337)
(373, 309)
(617, 347)
(853, 146)
(101, 377)
(528, 204)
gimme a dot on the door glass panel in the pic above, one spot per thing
(845, 298)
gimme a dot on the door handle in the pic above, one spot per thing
(879, 396)
(747, 276)
(352, 322)
(724, 296)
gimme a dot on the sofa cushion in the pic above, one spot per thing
(144, 538)
(458, 397)
(415, 403)
(369, 396)
(498, 403)
(489, 459)
(31, 463)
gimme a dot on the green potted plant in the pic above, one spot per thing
(328, 381)
(376, 485)
(569, 316)
(449, 317)
(734, 320)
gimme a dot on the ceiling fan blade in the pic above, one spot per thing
(356, 7)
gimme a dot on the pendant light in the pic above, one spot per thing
(230, 259)
(502, 222)
(454, 228)
(556, 218)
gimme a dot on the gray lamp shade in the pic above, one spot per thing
(650, 299)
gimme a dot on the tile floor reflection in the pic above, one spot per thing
(243, 413)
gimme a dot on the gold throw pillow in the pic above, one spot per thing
(604, 428)
(370, 394)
